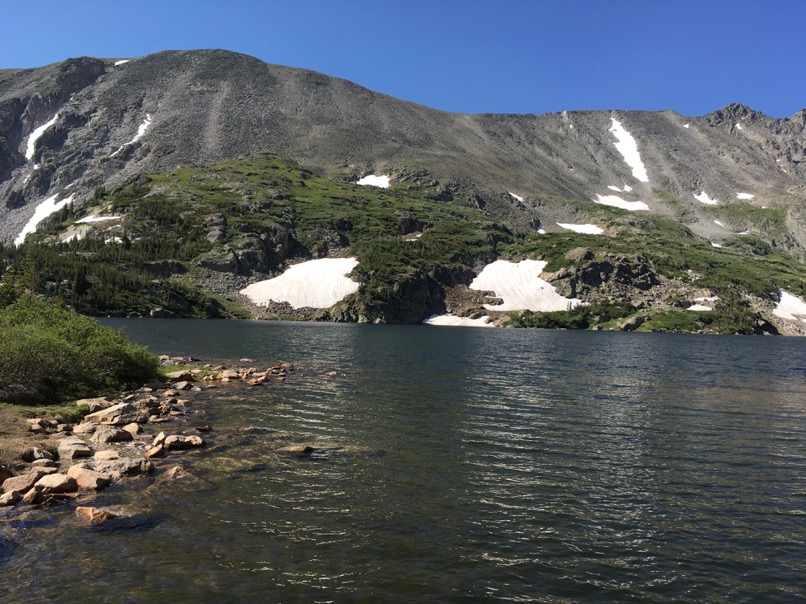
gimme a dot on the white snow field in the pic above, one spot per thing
(699, 308)
(453, 321)
(790, 307)
(36, 135)
(617, 202)
(520, 287)
(716, 222)
(121, 62)
(314, 284)
(628, 148)
(372, 180)
(747, 196)
(586, 229)
(518, 197)
(625, 189)
(141, 130)
(43, 210)
(714, 244)
(94, 218)
(703, 198)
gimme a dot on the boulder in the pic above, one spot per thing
(9, 498)
(155, 451)
(110, 434)
(118, 415)
(94, 515)
(41, 454)
(22, 483)
(133, 429)
(33, 496)
(43, 463)
(84, 428)
(230, 374)
(73, 447)
(95, 404)
(107, 454)
(57, 483)
(177, 442)
(118, 468)
(179, 376)
(88, 479)
(183, 385)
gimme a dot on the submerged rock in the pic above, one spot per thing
(94, 515)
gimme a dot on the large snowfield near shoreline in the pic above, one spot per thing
(520, 287)
(312, 284)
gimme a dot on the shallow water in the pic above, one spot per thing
(460, 465)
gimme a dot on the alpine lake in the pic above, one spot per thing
(456, 464)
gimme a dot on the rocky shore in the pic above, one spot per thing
(122, 439)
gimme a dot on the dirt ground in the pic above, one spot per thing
(15, 438)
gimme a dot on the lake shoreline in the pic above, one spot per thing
(117, 439)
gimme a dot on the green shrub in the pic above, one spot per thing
(58, 353)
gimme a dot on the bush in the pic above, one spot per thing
(58, 353)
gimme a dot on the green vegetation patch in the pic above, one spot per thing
(52, 353)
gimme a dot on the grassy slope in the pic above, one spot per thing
(265, 202)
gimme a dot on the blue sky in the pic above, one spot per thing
(494, 56)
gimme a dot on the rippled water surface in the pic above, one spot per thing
(461, 465)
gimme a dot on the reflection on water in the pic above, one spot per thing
(466, 464)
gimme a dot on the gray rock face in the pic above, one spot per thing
(124, 467)
(204, 106)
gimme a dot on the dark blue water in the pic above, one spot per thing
(465, 465)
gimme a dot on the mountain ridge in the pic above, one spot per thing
(103, 132)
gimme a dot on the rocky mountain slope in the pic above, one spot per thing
(88, 129)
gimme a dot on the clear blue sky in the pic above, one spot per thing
(496, 56)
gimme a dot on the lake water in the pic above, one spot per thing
(461, 464)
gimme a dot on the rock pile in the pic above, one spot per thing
(113, 441)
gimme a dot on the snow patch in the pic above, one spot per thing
(719, 223)
(315, 284)
(703, 198)
(94, 218)
(121, 62)
(520, 287)
(372, 180)
(453, 321)
(43, 210)
(747, 196)
(699, 307)
(686, 125)
(36, 135)
(739, 127)
(618, 202)
(625, 189)
(715, 244)
(518, 197)
(141, 130)
(628, 148)
(586, 229)
(790, 307)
